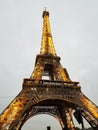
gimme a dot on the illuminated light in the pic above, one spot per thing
(8, 126)
(33, 89)
(47, 89)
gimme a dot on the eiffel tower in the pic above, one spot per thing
(49, 90)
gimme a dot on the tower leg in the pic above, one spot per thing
(66, 115)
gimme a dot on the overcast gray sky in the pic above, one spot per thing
(74, 26)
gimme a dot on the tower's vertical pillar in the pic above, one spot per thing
(67, 119)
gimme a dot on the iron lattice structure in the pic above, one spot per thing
(49, 90)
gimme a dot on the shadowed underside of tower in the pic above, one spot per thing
(49, 90)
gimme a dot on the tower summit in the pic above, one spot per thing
(47, 46)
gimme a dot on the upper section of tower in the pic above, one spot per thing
(47, 46)
(45, 13)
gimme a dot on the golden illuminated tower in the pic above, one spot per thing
(49, 90)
